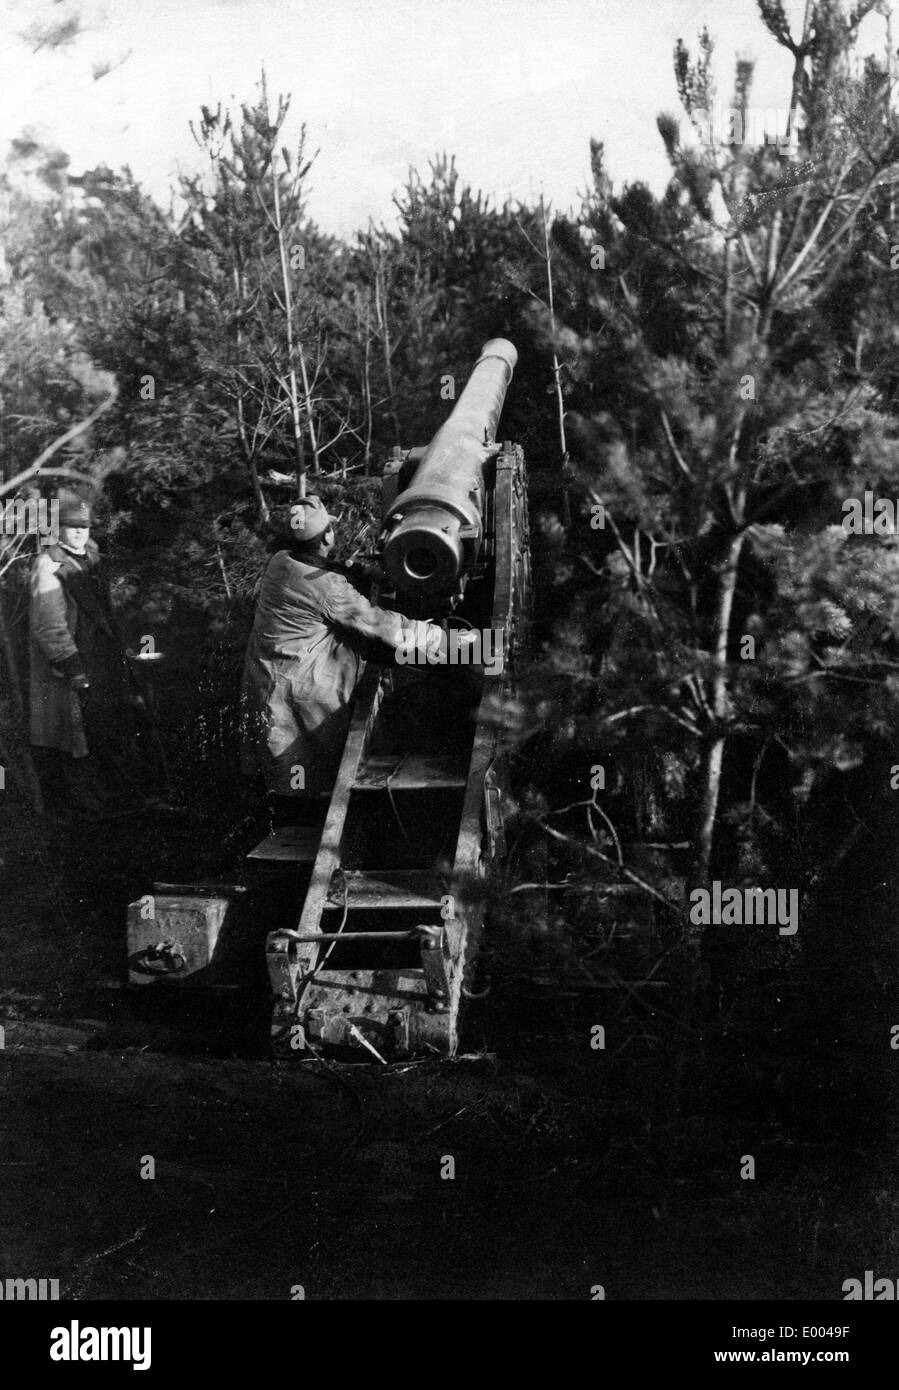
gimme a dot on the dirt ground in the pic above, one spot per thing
(573, 1167)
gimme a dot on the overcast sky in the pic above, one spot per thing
(515, 88)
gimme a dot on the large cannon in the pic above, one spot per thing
(371, 917)
(434, 527)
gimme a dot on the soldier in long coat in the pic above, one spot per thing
(81, 689)
(305, 657)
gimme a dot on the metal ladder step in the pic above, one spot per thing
(290, 844)
(386, 888)
(411, 772)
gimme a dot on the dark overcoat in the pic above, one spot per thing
(71, 615)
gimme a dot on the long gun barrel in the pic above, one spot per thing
(435, 527)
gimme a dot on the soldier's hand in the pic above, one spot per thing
(435, 641)
(463, 636)
(73, 670)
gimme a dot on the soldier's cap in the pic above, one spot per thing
(308, 519)
(73, 510)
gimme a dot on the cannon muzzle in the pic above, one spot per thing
(435, 527)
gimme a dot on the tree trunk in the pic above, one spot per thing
(299, 452)
(798, 69)
(366, 388)
(714, 757)
(248, 452)
(383, 324)
(557, 370)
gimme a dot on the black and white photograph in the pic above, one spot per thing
(449, 664)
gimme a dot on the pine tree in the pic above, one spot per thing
(731, 386)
